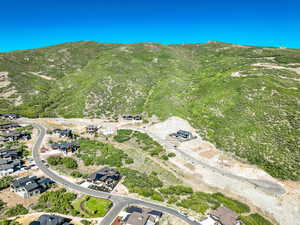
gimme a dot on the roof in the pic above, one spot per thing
(15, 133)
(225, 215)
(9, 164)
(104, 174)
(184, 132)
(9, 125)
(141, 216)
(23, 180)
(46, 219)
(31, 183)
(8, 153)
(64, 145)
(63, 132)
(137, 218)
(10, 115)
(132, 209)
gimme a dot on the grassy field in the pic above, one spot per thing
(253, 115)
(92, 207)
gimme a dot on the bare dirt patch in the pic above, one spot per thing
(275, 66)
(208, 154)
(12, 199)
(167, 219)
(42, 76)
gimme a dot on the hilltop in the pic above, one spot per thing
(243, 99)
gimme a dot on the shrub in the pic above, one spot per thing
(232, 204)
(123, 136)
(158, 197)
(55, 160)
(171, 154)
(59, 201)
(76, 174)
(17, 210)
(176, 190)
(70, 163)
(254, 219)
(164, 157)
(5, 182)
(9, 222)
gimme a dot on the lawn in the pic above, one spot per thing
(92, 207)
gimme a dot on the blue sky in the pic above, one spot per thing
(37, 23)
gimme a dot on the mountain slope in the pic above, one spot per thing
(243, 99)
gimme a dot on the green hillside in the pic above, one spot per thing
(249, 110)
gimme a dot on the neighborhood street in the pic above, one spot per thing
(119, 201)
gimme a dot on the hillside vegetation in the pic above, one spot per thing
(243, 99)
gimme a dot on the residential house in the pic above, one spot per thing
(91, 129)
(47, 219)
(107, 178)
(132, 117)
(10, 116)
(9, 126)
(182, 135)
(66, 147)
(30, 185)
(141, 216)
(15, 136)
(9, 154)
(9, 166)
(64, 133)
(224, 216)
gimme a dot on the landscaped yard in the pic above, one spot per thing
(92, 207)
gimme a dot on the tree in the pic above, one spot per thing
(70, 163)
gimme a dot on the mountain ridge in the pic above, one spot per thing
(244, 99)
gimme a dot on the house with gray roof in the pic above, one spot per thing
(47, 219)
(64, 133)
(9, 126)
(182, 135)
(10, 116)
(15, 136)
(9, 166)
(9, 154)
(65, 147)
(106, 178)
(30, 185)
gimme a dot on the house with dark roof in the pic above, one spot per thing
(47, 219)
(8, 166)
(15, 136)
(132, 117)
(65, 147)
(64, 133)
(10, 116)
(9, 154)
(30, 185)
(9, 126)
(182, 135)
(91, 129)
(107, 178)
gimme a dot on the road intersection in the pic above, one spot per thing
(119, 201)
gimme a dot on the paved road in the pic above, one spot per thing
(119, 201)
(267, 186)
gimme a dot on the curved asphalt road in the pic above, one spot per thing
(119, 201)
